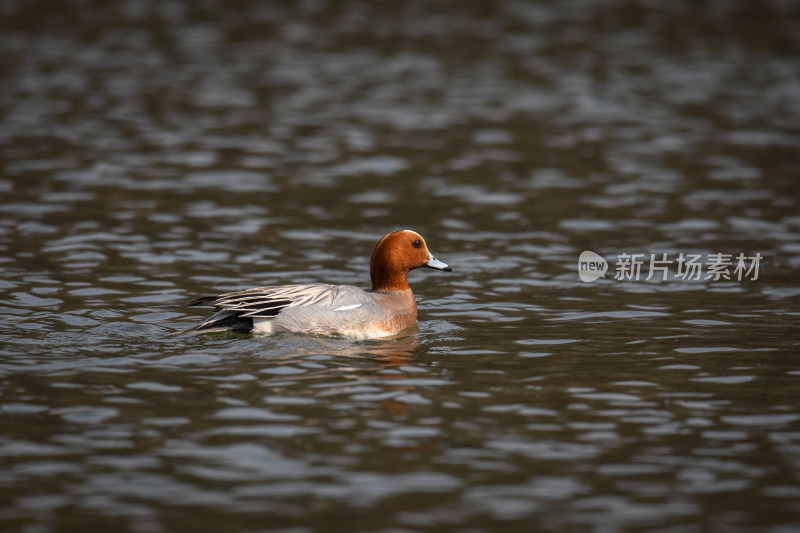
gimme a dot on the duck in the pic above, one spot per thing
(387, 309)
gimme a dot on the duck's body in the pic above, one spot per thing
(324, 309)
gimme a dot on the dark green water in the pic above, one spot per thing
(152, 152)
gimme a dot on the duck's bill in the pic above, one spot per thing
(438, 265)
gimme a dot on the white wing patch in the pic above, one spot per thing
(348, 307)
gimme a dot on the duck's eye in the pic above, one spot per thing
(417, 243)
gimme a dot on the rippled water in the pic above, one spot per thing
(156, 151)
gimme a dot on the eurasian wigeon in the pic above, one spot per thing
(331, 309)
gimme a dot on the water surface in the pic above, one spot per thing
(153, 152)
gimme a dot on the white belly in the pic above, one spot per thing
(263, 326)
(267, 326)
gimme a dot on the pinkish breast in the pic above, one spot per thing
(400, 308)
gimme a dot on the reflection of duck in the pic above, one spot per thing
(393, 350)
(392, 353)
(396, 354)
(331, 309)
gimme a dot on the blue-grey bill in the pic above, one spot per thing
(438, 265)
